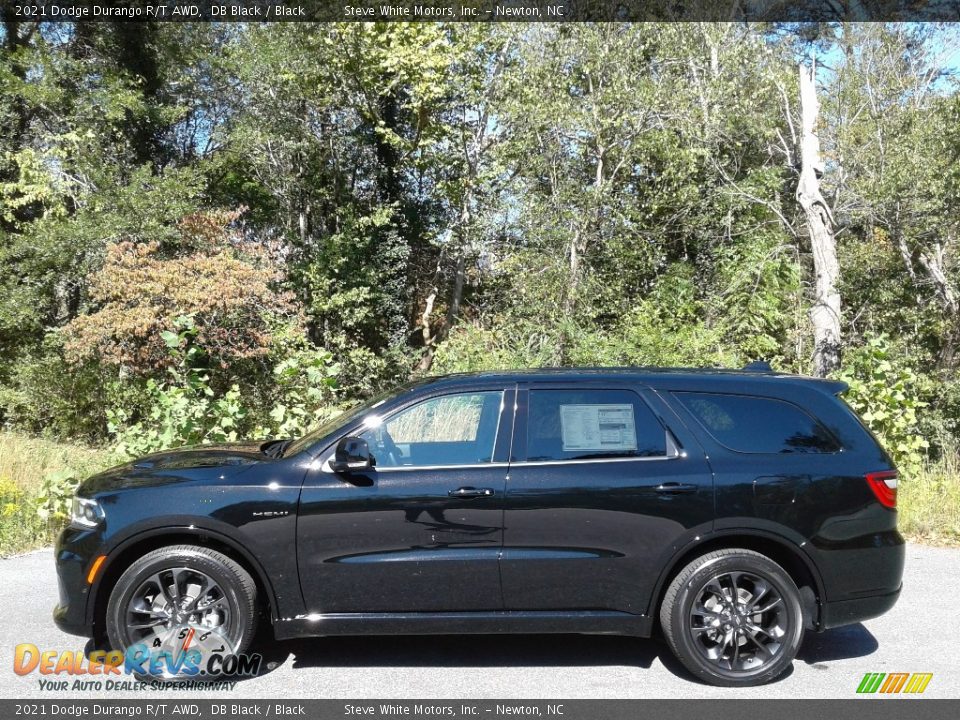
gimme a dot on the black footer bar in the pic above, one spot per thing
(898, 708)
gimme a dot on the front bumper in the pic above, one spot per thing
(64, 619)
(846, 612)
(74, 553)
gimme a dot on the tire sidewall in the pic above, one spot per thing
(754, 564)
(238, 632)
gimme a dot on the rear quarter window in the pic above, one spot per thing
(751, 424)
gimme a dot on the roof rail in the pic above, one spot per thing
(758, 366)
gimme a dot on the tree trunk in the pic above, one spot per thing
(825, 313)
(933, 263)
(573, 286)
(457, 296)
(461, 234)
(429, 339)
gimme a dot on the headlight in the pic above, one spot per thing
(85, 513)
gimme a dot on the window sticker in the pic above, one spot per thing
(605, 428)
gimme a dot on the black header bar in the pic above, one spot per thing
(481, 10)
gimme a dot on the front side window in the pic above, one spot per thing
(448, 430)
(591, 424)
(749, 424)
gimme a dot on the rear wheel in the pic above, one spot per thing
(178, 598)
(733, 618)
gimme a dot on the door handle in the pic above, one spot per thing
(673, 488)
(470, 492)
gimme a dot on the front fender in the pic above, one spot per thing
(280, 584)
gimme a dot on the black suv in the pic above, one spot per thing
(731, 509)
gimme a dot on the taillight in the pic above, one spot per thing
(884, 486)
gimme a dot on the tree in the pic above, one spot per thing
(462, 164)
(825, 313)
(140, 293)
(430, 197)
(891, 119)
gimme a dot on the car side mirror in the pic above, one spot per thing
(352, 455)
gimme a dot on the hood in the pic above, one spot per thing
(197, 456)
(171, 466)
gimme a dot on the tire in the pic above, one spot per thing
(182, 586)
(719, 639)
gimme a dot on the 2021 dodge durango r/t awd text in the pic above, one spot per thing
(730, 509)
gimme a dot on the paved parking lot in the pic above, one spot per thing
(918, 635)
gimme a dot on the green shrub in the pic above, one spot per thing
(56, 492)
(186, 410)
(363, 372)
(38, 477)
(45, 394)
(471, 347)
(304, 385)
(887, 393)
(11, 497)
(940, 421)
(183, 410)
(32, 518)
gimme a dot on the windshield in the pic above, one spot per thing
(342, 420)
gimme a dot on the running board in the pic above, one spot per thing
(601, 622)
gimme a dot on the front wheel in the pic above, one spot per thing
(733, 618)
(176, 606)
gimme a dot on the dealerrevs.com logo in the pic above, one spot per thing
(893, 683)
(187, 657)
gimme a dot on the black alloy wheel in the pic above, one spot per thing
(182, 594)
(733, 618)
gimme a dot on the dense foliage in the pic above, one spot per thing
(217, 231)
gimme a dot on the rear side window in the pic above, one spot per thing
(591, 424)
(758, 425)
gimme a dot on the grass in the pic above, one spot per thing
(451, 418)
(929, 502)
(25, 462)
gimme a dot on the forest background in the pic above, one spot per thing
(212, 232)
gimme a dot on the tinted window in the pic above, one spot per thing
(345, 418)
(448, 430)
(758, 425)
(583, 424)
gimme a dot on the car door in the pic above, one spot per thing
(605, 482)
(422, 530)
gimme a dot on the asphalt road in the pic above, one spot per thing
(918, 635)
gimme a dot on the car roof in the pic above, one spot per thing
(700, 378)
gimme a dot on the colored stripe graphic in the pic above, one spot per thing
(870, 682)
(894, 683)
(918, 682)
